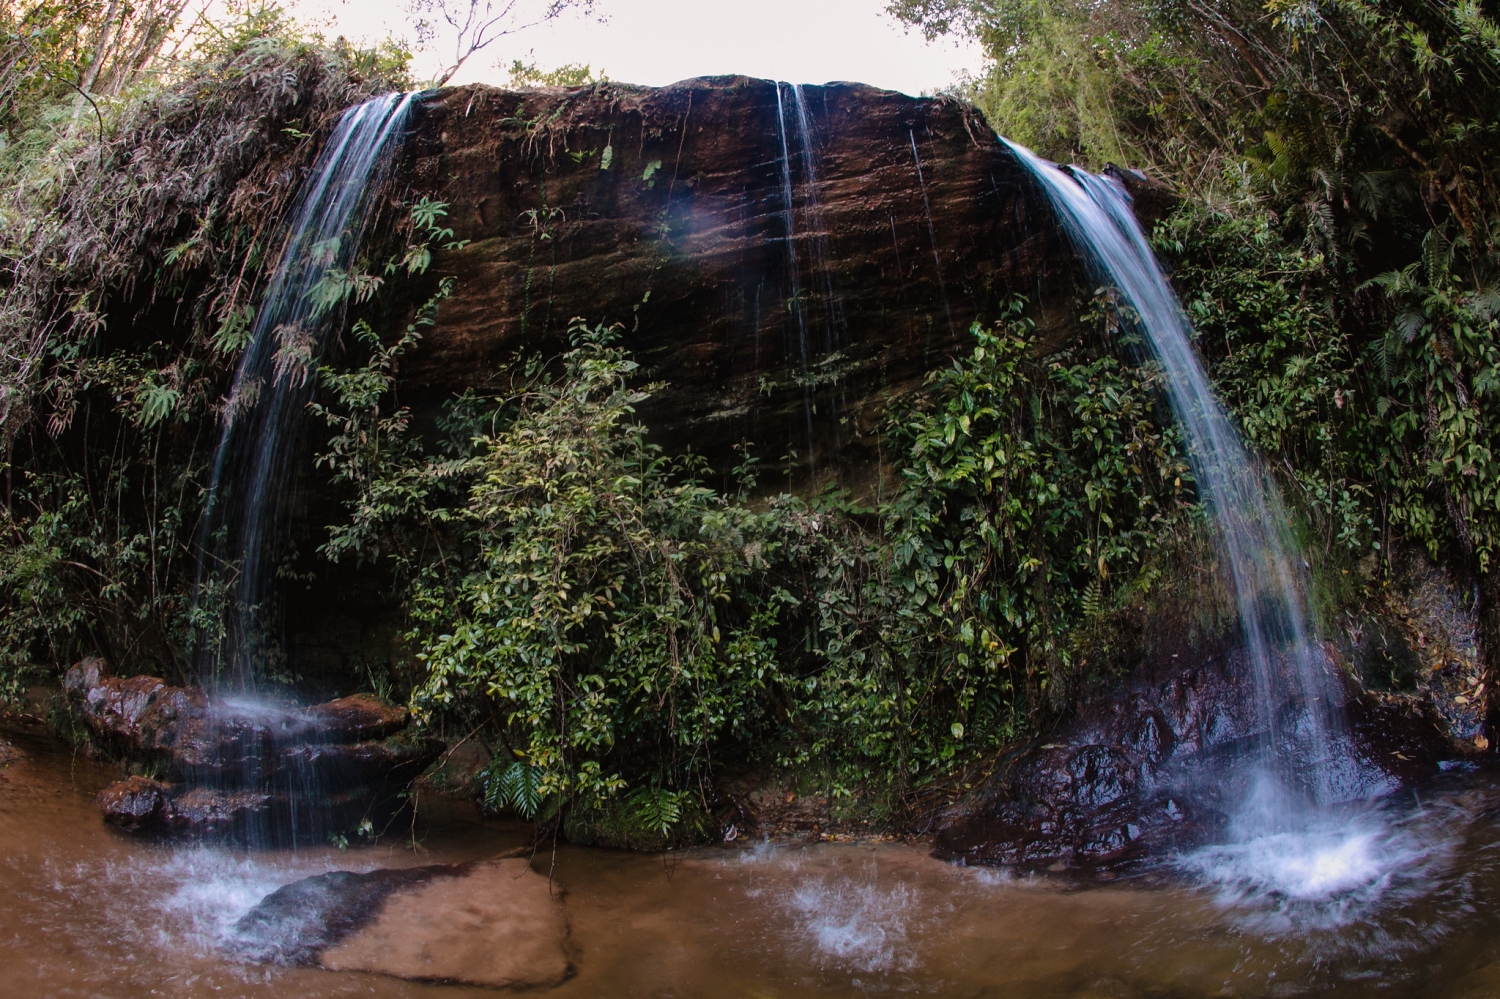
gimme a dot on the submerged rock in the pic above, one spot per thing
(1159, 767)
(252, 772)
(496, 923)
(294, 924)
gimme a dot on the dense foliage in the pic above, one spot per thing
(158, 219)
(619, 628)
(611, 627)
(1337, 244)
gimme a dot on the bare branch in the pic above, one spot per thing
(477, 24)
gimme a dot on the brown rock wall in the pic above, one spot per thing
(790, 322)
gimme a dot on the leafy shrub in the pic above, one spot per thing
(604, 602)
(620, 628)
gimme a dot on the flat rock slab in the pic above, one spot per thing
(495, 923)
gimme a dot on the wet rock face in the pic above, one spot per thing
(496, 923)
(1159, 766)
(786, 266)
(245, 771)
(294, 924)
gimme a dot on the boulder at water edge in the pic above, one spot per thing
(1160, 765)
(242, 770)
(496, 923)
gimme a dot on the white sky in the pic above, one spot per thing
(655, 42)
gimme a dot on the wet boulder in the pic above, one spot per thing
(259, 817)
(142, 805)
(358, 716)
(244, 770)
(144, 717)
(135, 803)
(495, 923)
(1160, 765)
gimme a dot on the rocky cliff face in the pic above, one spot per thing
(788, 260)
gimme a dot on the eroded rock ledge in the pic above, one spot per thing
(242, 769)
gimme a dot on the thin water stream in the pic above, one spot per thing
(245, 513)
(794, 273)
(90, 912)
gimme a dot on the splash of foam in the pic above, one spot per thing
(1333, 870)
(209, 890)
(851, 920)
(857, 925)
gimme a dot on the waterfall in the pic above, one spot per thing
(833, 307)
(816, 303)
(1299, 700)
(794, 270)
(245, 514)
(937, 260)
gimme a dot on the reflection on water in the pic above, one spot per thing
(1394, 901)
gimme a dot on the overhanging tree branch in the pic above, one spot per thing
(477, 24)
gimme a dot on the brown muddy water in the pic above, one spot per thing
(1404, 902)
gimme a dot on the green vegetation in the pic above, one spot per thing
(614, 629)
(174, 186)
(529, 74)
(619, 629)
(1337, 244)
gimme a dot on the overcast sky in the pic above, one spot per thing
(657, 42)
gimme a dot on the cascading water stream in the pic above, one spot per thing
(815, 302)
(937, 260)
(833, 325)
(246, 513)
(1308, 844)
(1299, 701)
(794, 270)
(244, 516)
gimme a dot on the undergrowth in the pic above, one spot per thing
(134, 253)
(619, 630)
